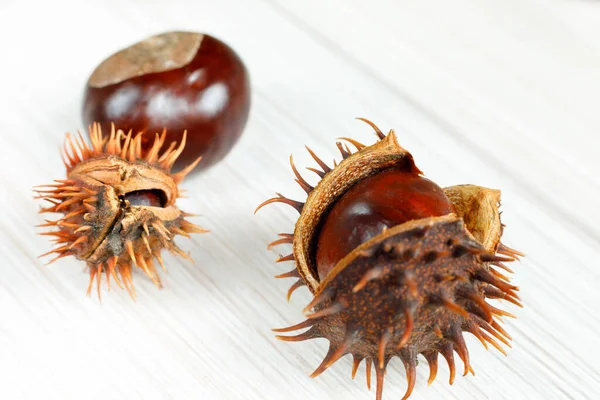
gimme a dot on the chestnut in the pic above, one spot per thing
(176, 81)
(378, 202)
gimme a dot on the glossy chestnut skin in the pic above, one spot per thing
(384, 200)
(178, 81)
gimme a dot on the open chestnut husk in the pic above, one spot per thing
(398, 266)
(117, 205)
(176, 81)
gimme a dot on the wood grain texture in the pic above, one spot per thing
(503, 94)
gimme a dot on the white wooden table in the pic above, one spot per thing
(505, 94)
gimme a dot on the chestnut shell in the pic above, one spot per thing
(414, 288)
(117, 206)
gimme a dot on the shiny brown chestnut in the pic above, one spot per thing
(378, 202)
(175, 81)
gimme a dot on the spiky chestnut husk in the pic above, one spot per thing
(412, 289)
(118, 205)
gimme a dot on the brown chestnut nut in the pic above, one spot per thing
(397, 265)
(175, 81)
(378, 202)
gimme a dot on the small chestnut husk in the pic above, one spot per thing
(118, 205)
